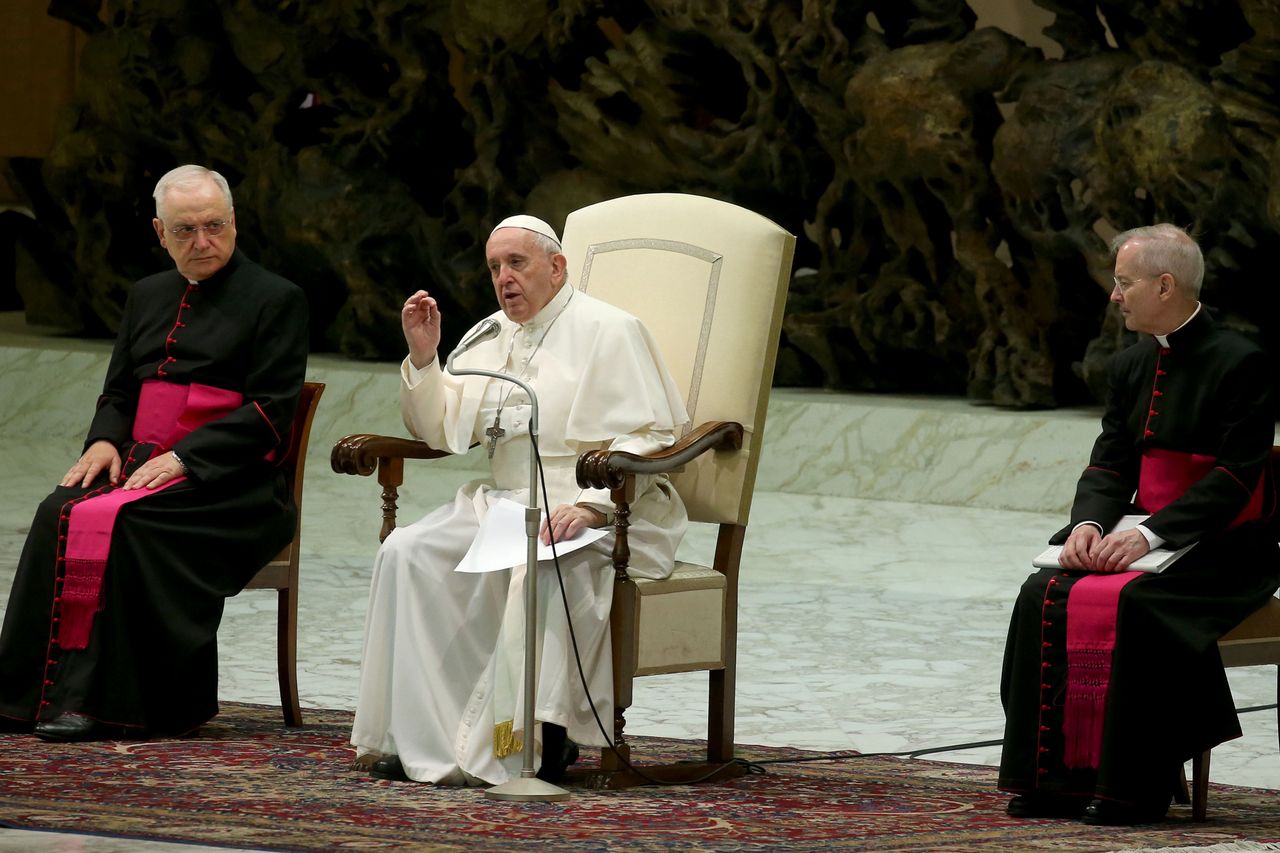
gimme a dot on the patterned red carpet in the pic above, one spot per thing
(248, 781)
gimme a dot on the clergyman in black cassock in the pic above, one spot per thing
(1111, 678)
(110, 627)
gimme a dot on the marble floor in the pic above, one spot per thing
(867, 623)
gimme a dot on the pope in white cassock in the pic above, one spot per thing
(441, 685)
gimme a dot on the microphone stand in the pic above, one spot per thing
(527, 787)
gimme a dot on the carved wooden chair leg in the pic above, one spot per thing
(615, 760)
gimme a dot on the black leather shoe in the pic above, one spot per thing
(558, 753)
(1115, 813)
(389, 768)
(66, 728)
(1046, 805)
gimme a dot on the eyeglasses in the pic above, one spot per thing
(185, 233)
(1125, 284)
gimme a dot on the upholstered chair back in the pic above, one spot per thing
(708, 280)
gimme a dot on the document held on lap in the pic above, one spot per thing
(1155, 560)
(502, 541)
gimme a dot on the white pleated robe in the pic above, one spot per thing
(442, 669)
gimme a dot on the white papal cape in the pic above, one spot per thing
(441, 682)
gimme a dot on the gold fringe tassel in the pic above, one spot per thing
(505, 741)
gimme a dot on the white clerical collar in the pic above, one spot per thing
(552, 309)
(1164, 339)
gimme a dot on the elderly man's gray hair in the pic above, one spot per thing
(186, 176)
(1165, 248)
(546, 244)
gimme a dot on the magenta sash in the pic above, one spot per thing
(1167, 474)
(1093, 601)
(166, 413)
(1091, 642)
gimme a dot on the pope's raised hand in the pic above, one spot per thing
(420, 320)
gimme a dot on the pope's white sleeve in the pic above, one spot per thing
(639, 443)
(429, 405)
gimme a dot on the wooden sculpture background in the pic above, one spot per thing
(951, 187)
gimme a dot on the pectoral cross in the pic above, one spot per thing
(495, 432)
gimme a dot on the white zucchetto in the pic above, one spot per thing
(528, 223)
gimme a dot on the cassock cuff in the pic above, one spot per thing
(1153, 540)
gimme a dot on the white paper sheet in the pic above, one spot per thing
(502, 543)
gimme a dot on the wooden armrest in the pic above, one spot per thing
(363, 454)
(359, 454)
(605, 469)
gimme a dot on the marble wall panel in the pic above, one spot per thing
(943, 451)
(842, 445)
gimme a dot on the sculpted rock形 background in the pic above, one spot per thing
(952, 187)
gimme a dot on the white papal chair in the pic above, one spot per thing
(709, 280)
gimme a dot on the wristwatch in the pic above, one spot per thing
(178, 459)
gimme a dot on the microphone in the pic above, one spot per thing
(488, 330)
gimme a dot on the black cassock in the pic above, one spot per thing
(1206, 395)
(151, 657)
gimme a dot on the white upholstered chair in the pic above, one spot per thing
(709, 280)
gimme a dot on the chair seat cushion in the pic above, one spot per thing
(1262, 623)
(686, 576)
(1256, 640)
(681, 621)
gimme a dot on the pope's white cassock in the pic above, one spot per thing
(442, 678)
